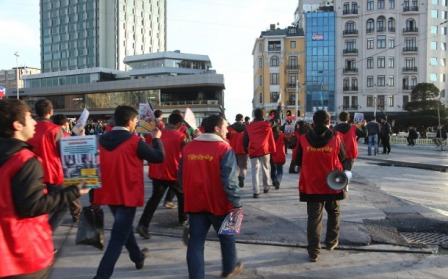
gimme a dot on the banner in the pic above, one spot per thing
(80, 161)
(146, 120)
(359, 117)
(232, 223)
(79, 126)
(2, 92)
(190, 119)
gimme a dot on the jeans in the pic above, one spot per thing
(265, 168)
(314, 227)
(373, 142)
(158, 189)
(199, 226)
(276, 173)
(121, 235)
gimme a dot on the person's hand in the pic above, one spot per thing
(156, 133)
(82, 190)
(196, 133)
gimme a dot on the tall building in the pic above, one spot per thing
(279, 63)
(79, 34)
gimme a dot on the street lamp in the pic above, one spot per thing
(17, 73)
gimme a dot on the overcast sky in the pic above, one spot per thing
(223, 30)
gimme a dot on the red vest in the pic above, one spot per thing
(121, 175)
(261, 141)
(44, 145)
(236, 140)
(201, 177)
(317, 163)
(172, 143)
(279, 156)
(351, 145)
(26, 244)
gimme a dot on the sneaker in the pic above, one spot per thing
(331, 247)
(143, 232)
(241, 182)
(237, 270)
(170, 205)
(314, 257)
(140, 264)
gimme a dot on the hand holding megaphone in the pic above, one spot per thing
(338, 180)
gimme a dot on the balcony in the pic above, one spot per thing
(408, 87)
(410, 9)
(348, 12)
(350, 32)
(391, 29)
(190, 102)
(410, 49)
(370, 30)
(409, 69)
(292, 68)
(291, 85)
(350, 88)
(348, 107)
(350, 70)
(410, 30)
(350, 51)
(381, 29)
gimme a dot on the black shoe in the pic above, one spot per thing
(141, 263)
(143, 232)
(267, 190)
(256, 196)
(313, 257)
(277, 185)
(241, 182)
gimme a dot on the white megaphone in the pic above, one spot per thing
(338, 180)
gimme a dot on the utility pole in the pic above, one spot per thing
(17, 73)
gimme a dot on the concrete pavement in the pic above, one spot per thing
(273, 237)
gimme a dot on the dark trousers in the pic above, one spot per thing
(169, 195)
(386, 144)
(158, 189)
(314, 228)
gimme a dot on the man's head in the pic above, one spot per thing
(44, 108)
(16, 120)
(344, 116)
(126, 116)
(176, 120)
(258, 113)
(158, 114)
(321, 118)
(60, 119)
(246, 119)
(177, 111)
(216, 124)
(239, 117)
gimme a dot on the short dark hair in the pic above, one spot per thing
(123, 114)
(43, 107)
(157, 113)
(11, 110)
(239, 117)
(247, 118)
(59, 119)
(320, 118)
(211, 122)
(344, 116)
(258, 113)
(175, 119)
(178, 111)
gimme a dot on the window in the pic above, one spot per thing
(433, 77)
(434, 29)
(293, 62)
(370, 63)
(442, 46)
(391, 25)
(442, 62)
(292, 44)
(274, 97)
(260, 62)
(381, 81)
(274, 61)
(370, 44)
(391, 81)
(391, 63)
(443, 14)
(434, 13)
(346, 101)
(274, 78)
(346, 8)
(443, 30)
(350, 27)
(391, 4)
(370, 5)
(435, 2)
(260, 47)
(381, 41)
(370, 101)
(381, 62)
(354, 102)
(405, 100)
(434, 45)
(433, 61)
(260, 81)
(410, 62)
(274, 46)
(370, 26)
(380, 25)
(260, 98)
(369, 81)
(392, 43)
(346, 83)
(410, 43)
(350, 44)
(381, 4)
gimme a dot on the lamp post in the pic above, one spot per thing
(17, 73)
(296, 101)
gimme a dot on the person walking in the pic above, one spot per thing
(26, 242)
(440, 136)
(45, 144)
(412, 136)
(319, 152)
(121, 155)
(235, 136)
(164, 175)
(350, 132)
(258, 143)
(373, 131)
(385, 135)
(208, 175)
(278, 158)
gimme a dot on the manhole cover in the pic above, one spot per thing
(425, 238)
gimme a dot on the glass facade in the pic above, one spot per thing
(320, 61)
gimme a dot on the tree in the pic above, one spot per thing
(424, 97)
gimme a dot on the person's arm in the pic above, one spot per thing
(153, 153)
(342, 152)
(229, 178)
(246, 142)
(299, 154)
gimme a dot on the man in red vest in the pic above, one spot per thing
(349, 133)
(46, 145)
(259, 143)
(164, 176)
(320, 151)
(208, 174)
(121, 164)
(26, 243)
(235, 136)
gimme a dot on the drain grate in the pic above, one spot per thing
(425, 238)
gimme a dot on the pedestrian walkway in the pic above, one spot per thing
(272, 243)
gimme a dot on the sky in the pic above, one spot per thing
(223, 30)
